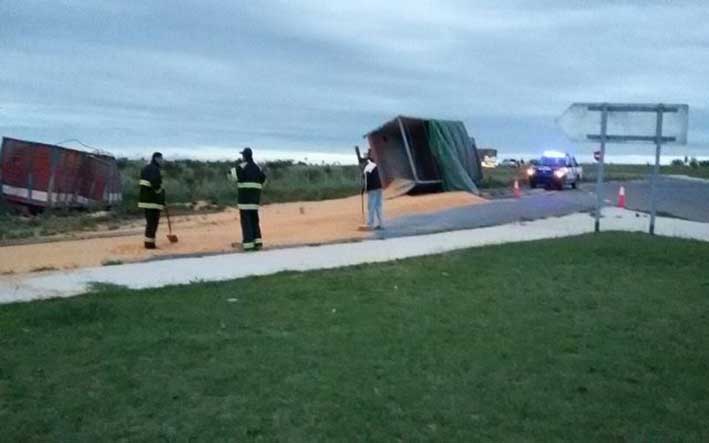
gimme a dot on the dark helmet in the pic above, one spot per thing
(247, 153)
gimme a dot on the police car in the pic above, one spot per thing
(555, 169)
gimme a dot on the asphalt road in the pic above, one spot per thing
(680, 198)
(675, 198)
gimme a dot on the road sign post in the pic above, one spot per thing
(601, 166)
(626, 123)
(656, 168)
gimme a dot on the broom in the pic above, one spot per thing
(170, 236)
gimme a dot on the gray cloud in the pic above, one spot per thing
(316, 75)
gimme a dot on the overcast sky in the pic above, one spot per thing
(199, 76)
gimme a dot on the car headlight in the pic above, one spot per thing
(530, 171)
(561, 172)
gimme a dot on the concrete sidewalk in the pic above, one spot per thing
(232, 266)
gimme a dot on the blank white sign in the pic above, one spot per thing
(582, 120)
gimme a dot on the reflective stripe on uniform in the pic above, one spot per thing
(248, 245)
(258, 241)
(149, 240)
(150, 205)
(249, 185)
(150, 185)
(248, 207)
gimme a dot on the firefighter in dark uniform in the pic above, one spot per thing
(250, 179)
(152, 198)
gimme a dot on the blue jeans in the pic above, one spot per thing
(374, 207)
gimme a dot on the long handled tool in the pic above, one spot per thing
(360, 162)
(361, 194)
(170, 236)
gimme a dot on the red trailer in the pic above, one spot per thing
(49, 176)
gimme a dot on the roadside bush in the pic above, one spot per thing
(677, 162)
(4, 209)
(122, 162)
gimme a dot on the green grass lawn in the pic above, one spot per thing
(601, 338)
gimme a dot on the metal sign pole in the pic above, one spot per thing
(599, 178)
(624, 129)
(656, 169)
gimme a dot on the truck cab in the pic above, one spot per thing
(555, 170)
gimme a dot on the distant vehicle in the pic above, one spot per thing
(555, 169)
(489, 162)
(510, 163)
(488, 157)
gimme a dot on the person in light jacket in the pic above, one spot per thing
(373, 187)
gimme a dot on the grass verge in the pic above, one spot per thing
(599, 338)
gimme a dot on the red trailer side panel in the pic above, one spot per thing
(39, 174)
(44, 175)
(16, 166)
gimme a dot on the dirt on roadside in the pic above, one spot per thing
(285, 224)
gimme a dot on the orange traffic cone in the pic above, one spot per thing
(516, 189)
(621, 197)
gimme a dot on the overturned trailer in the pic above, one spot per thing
(419, 155)
(49, 176)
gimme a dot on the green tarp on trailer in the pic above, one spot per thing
(449, 143)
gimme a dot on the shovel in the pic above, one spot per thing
(170, 236)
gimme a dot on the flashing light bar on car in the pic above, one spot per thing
(554, 154)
